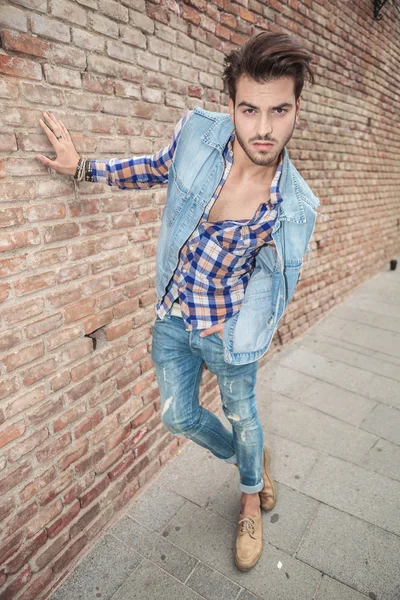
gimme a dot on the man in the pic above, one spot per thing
(236, 224)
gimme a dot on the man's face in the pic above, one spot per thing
(264, 112)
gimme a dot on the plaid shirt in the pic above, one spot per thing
(217, 260)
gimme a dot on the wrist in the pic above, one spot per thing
(73, 169)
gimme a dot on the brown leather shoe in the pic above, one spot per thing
(248, 546)
(268, 493)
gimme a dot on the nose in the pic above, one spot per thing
(265, 127)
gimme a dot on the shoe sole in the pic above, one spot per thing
(267, 465)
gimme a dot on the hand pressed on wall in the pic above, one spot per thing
(58, 135)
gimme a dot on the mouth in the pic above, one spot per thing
(263, 145)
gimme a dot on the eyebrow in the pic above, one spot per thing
(244, 103)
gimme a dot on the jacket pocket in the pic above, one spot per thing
(292, 275)
(176, 196)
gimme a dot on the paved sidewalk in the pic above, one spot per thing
(330, 408)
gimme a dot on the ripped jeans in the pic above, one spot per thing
(179, 357)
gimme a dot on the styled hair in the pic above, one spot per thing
(266, 57)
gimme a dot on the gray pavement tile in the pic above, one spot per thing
(154, 547)
(384, 458)
(358, 491)
(368, 302)
(273, 377)
(306, 425)
(387, 293)
(354, 552)
(290, 461)
(156, 507)
(365, 317)
(283, 526)
(341, 351)
(342, 404)
(226, 501)
(356, 380)
(211, 539)
(149, 582)
(330, 589)
(385, 422)
(211, 584)
(245, 595)
(182, 476)
(100, 573)
(364, 335)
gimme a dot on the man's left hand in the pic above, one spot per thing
(214, 329)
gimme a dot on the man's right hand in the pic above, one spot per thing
(67, 156)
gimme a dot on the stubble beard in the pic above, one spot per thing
(263, 158)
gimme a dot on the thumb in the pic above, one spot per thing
(43, 159)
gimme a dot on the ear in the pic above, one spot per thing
(298, 109)
(231, 107)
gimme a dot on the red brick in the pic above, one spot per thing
(20, 67)
(69, 554)
(11, 432)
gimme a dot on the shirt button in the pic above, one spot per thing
(192, 247)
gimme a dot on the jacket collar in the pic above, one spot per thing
(217, 135)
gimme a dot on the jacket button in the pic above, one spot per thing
(270, 320)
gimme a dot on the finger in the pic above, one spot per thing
(57, 122)
(65, 132)
(48, 132)
(209, 331)
(51, 117)
(53, 124)
(46, 161)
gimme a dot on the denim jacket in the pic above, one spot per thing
(193, 176)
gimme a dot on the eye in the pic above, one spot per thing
(247, 109)
(283, 111)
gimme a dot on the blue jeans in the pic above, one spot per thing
(179, 357)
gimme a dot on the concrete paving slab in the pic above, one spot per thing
(154, 547)
(282, 380)
(342, 404)
(385, 422)
(357, 491)
(156, 507)
(101, 572)
(367, 301)
(182, 476)
(245, 595)
(211, 539)
(149, 582)
(354, 552)
(364, 335)
(384, 458)
(211, 584)
(356, 380)
(366, 317)
(320, 431)
(356, 356)
(330, 589)
(290, 461)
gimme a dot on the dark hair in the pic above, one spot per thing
(268, 56)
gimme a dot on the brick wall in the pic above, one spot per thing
(80, 428)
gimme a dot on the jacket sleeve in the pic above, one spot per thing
(139, 172)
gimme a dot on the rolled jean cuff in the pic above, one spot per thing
(251, 489)
(231, 459)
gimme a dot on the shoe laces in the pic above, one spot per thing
(247, 525)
